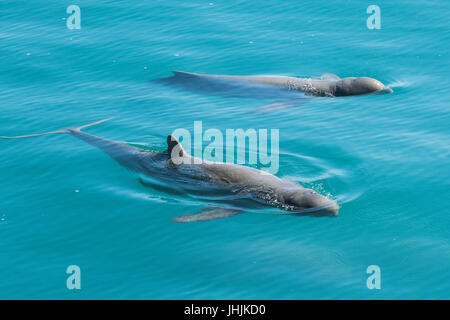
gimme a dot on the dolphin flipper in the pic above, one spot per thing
(208, 213)
(329, 76)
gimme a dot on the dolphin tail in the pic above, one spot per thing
(67, 130)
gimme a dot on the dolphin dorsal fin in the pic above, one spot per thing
(329, 76)
(174, 147)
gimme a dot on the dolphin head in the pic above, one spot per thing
(309, 202)
(359, 86)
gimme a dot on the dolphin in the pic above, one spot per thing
(235, 188)
(328, 85)
(286, 91)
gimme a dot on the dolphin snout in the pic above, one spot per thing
(385, 90)
(309, 202)
(371, 85)
(328, 208)
(333, 209)
(378, 87)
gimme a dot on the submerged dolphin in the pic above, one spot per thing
(286, 91)
(329, 85)
(238, 187)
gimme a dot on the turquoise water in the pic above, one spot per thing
(385, 158)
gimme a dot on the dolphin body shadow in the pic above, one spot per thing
(232, 188)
